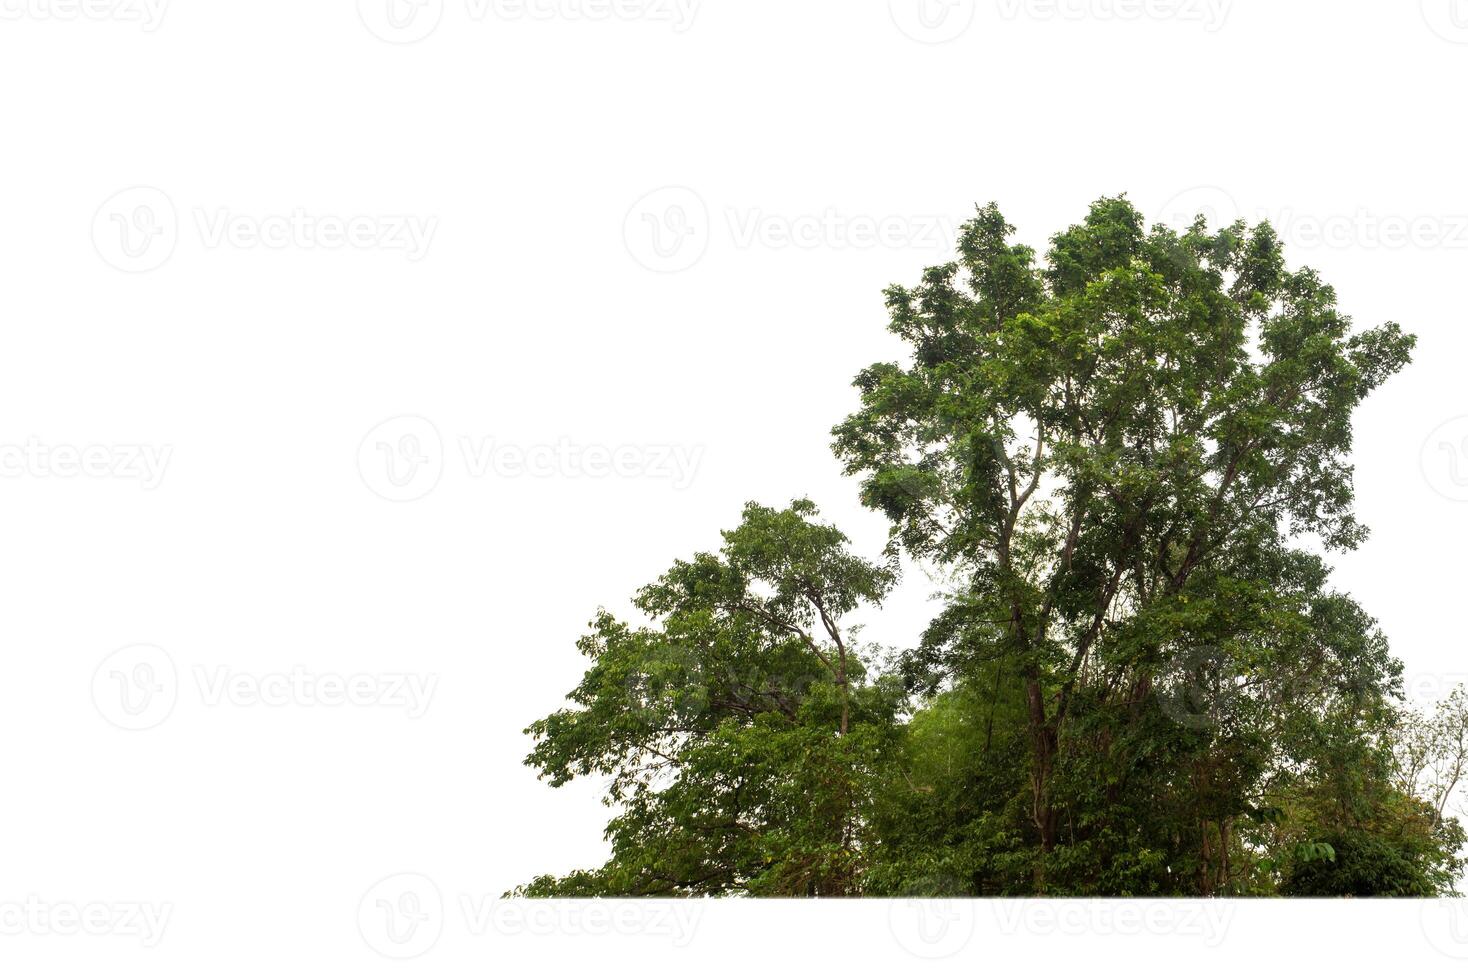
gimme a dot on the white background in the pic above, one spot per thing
(643, 226)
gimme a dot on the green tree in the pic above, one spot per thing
(1115, 450)
(1131, 459)
(737, 727)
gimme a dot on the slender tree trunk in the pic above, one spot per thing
(1043, 746)
(1205, 873)
(845, 693)
(1223, 869)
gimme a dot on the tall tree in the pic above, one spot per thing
(1131, 459)
(1100, 442)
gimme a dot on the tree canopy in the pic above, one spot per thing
(1131, 459)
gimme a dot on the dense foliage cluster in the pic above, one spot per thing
(1141, 681)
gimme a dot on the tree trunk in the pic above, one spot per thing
(1043, 746)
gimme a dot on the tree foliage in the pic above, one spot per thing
(1131, 459)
